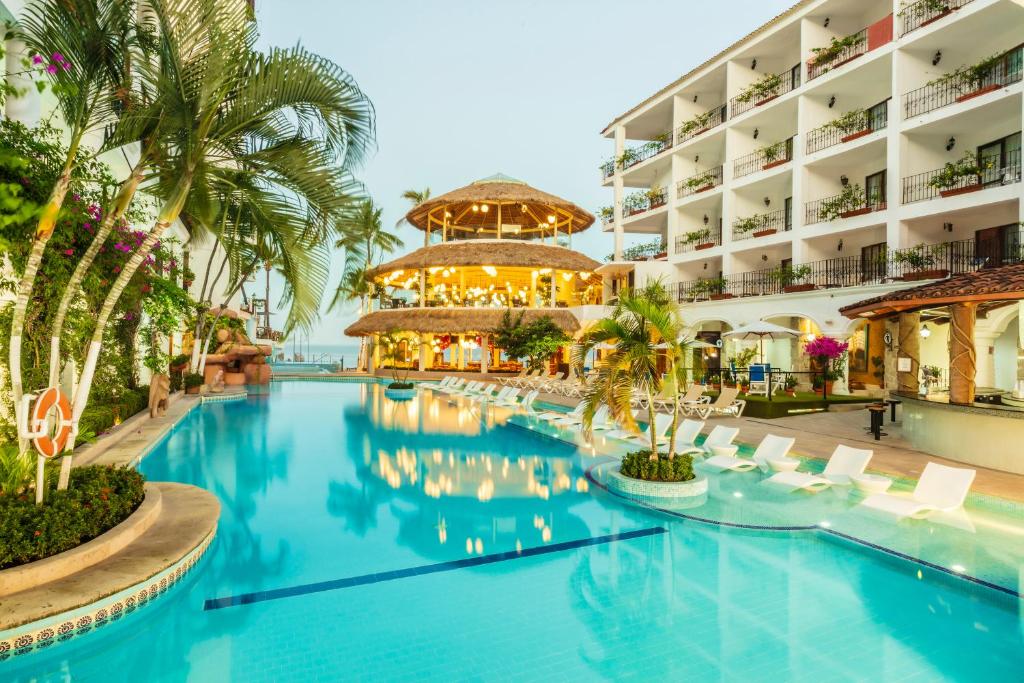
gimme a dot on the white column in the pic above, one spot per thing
(620, 146)
(484, 354)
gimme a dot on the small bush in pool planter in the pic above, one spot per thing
(640, 465)
(401, 385)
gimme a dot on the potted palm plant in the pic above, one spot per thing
(790, 384)
(193, 382)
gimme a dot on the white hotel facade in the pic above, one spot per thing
(787, 183)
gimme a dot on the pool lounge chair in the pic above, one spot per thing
(687, 432)
(527, 402)
(509, 399)
(600, 420)
(445, 381)
(550, 415)
(468, 389)
(772, 447)
(521, 380)
(662, 423)
(551, 386)
(693, 397)
(720, 435)
(725, 404)
(940, 489)
(455, 385)
(509, 380)
(486, 393)
(845, 462)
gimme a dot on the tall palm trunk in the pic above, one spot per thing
(651, 430)
(675, 410)
(116, 211)
(168, 214)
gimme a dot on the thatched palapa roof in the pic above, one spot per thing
(498, 253)
(522, 208)
(453, 320)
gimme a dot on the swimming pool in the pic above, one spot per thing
(365, 539)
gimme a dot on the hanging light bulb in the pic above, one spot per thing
(925, 332)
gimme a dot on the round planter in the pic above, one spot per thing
(400, 394)
(662, 490)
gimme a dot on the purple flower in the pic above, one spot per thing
(87, 225)
(51, 70)
(76, 197)
(69, 252)
(37, 59)
(58, 57)
(129, 316)
(66, 65)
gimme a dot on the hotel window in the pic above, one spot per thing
(874, 189)
(1000, 160)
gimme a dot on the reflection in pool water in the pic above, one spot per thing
(323, 481)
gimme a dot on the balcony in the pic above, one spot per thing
(700, 182)
(642, 202)
(762, 224)
(851, 202)
(966, 83)
(764, 91)
(697, 240)
(607, 169)
(764, 159)
(924, 12)
(923, 262)
(700, 124)
(635, 155)
(970, 174)
(849, 127)
(846, 49)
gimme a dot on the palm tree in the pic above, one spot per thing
(364, 243)
(642, 322)
(417, 197)
(288, 123)
(92, 42)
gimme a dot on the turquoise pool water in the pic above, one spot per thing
(363, 539)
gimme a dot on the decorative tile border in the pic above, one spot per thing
(62, 627)
(223, 398)
(627, 486)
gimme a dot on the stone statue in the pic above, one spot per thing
(217, 386)
(159, 388)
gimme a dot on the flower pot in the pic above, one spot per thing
(706, 245)
(952, 192)
(854, 136)
(805, 287)
(932, 274)
(400, 394)
(773, 164)
(828, 386)
(765, 233)
(979, 92)
(838, 64)
(765, 101)
(855, 212)
(703, 189)
(719, 297)
(791, 393)
(193, 390)
(938, 16)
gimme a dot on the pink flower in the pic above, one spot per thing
(117, 269)
(51, 70)
(58, 57)
(69, 252)
(37, 59)
(66, 66)
(826, 348)
(87, 225)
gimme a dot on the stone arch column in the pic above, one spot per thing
(962, 358)
(908, 349)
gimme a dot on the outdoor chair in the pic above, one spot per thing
(772, 447)
(720, 437)
(940, 489)
(662, 423)
(758, 375)
(844, 463)
(725, 404)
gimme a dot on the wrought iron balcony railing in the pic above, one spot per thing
(642, 202)
(764, 91)
(705, 238)
(857, 45)
(849, 128)
(964, 84)
(924, 12)
(762, 224)
(701, 124)
(763, 159)
(842, 206)
(699, 182)
(942, 183)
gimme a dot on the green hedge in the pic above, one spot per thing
(97, 499)
(97, 418)
(640, 465)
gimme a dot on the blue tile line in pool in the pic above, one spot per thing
(365, 579)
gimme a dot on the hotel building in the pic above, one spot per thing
(845, 149)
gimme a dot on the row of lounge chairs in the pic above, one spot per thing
(484, 391)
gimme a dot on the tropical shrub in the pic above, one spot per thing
(642, 465)
(193, 380)
(536, 341)
(830, 355)
(99, 499)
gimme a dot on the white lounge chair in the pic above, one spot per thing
(601, 422)
(444, 381)
(662, 423)
(940, 489)
(694, 396)
(719, 436)
(524, 378)
(551, 415)
(468, 388)
(772, 447)
(527, 402)
(509, 399)
(509, 380)
(486, 393)
(845, 462)
(454, 385)
(687, 432)
(725, 404)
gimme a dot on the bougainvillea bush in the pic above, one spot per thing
(829, 353)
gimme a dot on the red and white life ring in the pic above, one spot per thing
(49, 446)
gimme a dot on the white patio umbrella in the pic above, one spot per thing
(759, 331)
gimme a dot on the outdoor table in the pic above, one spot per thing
(892, 404)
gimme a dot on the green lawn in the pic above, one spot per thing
(782, 405)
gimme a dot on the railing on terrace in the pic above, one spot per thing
(921, 187)
(607, 169)
(924, 12)
(762, 224)
(859, 46)
(689, 130)
(789, 80)
(815, 212)
(870, 120)
(699, 182)
(944, 92)
(763, 159)
(638, 204)
(636, 155)
(922, 262)
(698, 239)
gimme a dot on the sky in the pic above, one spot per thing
(465, 89)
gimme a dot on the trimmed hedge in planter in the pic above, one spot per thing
(639, 465)
(100, 417)
(98, 499)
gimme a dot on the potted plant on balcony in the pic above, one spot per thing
(655, 197)
(701, 238)
(762, 91)
(851, 125)
(607, 213)
(849, 203)
(790, 278)
(936, 8)
(695, 126)
(634, 203)
(829, 355)
(628, 158)
(949, 181)
(702, 182)
(659, 144)
(607, 168)
(835, 48)
(920, 260)
(774, 155)
(712, 287)
(755, 224)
